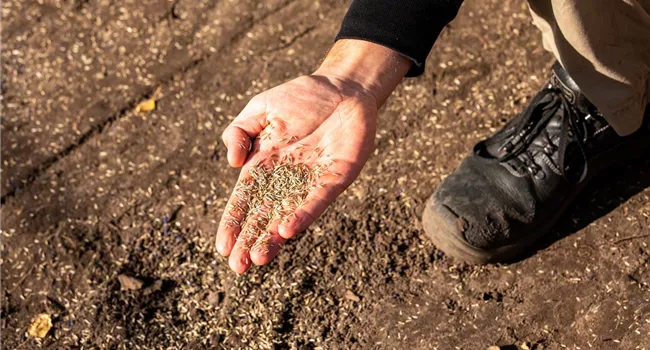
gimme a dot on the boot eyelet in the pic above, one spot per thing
(549, 150)
(507, 148)
(536, 171)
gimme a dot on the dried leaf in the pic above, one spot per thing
(146, 106)
(40, 326)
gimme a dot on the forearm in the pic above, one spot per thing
(409, 27)
(374, 68)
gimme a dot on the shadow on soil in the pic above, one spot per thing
(604, 194)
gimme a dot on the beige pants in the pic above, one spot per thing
(605, 47)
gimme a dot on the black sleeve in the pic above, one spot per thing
(409, 27)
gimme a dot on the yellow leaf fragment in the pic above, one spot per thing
(40, 326)
(146, 106)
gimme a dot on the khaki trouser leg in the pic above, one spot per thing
(605, 47)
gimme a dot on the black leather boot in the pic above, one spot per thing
(515, 185)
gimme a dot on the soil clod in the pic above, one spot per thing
(129, 283)
(351, 296)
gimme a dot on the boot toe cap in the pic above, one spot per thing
(475, 216)
(450, 232)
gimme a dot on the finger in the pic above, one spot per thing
(255, 224)
(267, 246)
(229, 227)
(239, 134)
(239, 259)
(314, 205)
(232, 217)
(238, 143)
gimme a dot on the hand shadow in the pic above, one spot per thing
(605, 193)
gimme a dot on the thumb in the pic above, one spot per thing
(238, 136)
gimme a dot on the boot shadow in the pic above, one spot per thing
(604, 194)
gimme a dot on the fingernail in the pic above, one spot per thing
(284, 229)
(221, 248)
(237, 265)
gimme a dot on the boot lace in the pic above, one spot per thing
(528, 126)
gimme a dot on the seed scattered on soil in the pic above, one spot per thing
(272, 193)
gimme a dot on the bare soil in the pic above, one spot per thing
(92, 190)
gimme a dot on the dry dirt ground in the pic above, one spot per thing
(92, 190)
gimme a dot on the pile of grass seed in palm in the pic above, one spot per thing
(271, 193)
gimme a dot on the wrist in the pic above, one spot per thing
(367, 66)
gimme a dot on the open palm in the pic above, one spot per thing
(313, 120)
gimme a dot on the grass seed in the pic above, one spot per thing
(272, 193)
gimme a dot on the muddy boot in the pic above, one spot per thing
(515, 185)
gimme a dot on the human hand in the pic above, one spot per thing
(326, 121)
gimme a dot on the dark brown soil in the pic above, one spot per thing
(92, 190)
